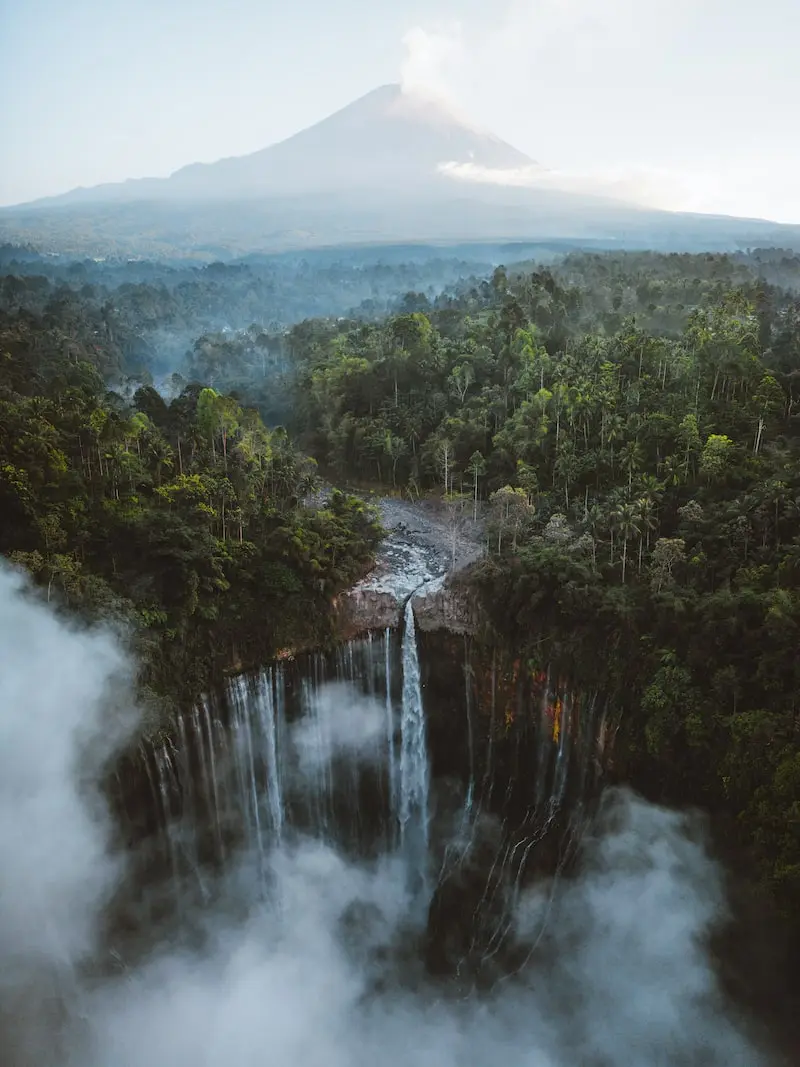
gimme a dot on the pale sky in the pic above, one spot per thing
(693, 101)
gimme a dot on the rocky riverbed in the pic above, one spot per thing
(427, 545)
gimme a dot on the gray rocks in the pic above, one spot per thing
(449, 607)
(437, 606)
(362, 610)
(412, 562)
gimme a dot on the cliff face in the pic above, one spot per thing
(362, 610)
(447, 606)
(451, 607)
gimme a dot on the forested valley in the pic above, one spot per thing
(631, 424)
(626, 427)
(185, 521)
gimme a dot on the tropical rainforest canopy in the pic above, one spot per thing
(627, 427)
(183, 520)
(632, 425)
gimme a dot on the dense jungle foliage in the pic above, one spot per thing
(184, 520)
(223, 324)
(625, 426)
(157, 311)
(642, 490)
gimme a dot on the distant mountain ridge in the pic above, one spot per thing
(386, 139)
(381, 170)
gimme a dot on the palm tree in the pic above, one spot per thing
(631, 460)
(645, 511)
(611, 523)
(627, 523)
(395, 448)
(615, 427)
(671, 470)
(580, 405)
(594, 521)
(651, 488)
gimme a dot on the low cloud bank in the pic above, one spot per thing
(621, 975)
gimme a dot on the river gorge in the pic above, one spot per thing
(403, 847)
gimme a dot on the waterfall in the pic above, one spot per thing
(470, 796)
(256, 754)
(414, 774)
(164, 789)
(562, 751)
(269, 727)
(191, 812)
(335, 745)
(543, 745)
(392, 770)
(210, 773)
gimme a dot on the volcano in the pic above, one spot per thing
(390, 167)
(385, 140)
(388, 141)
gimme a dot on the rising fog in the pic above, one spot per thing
(621, 974)
(319, 740)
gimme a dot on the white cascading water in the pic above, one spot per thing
(268, 720)
(392, 770)
(189, 821)
(234, 777)
(543, 746)
(470, 797)
(562, 752)
(256, 757)
(414, 770)
(210, 768)
(163, 791)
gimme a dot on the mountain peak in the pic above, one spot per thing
(386, 139)
(391, 90)
(389, 140)
(393, 101)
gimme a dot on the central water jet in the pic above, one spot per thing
(414, 770)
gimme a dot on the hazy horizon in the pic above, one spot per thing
(679, 108)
